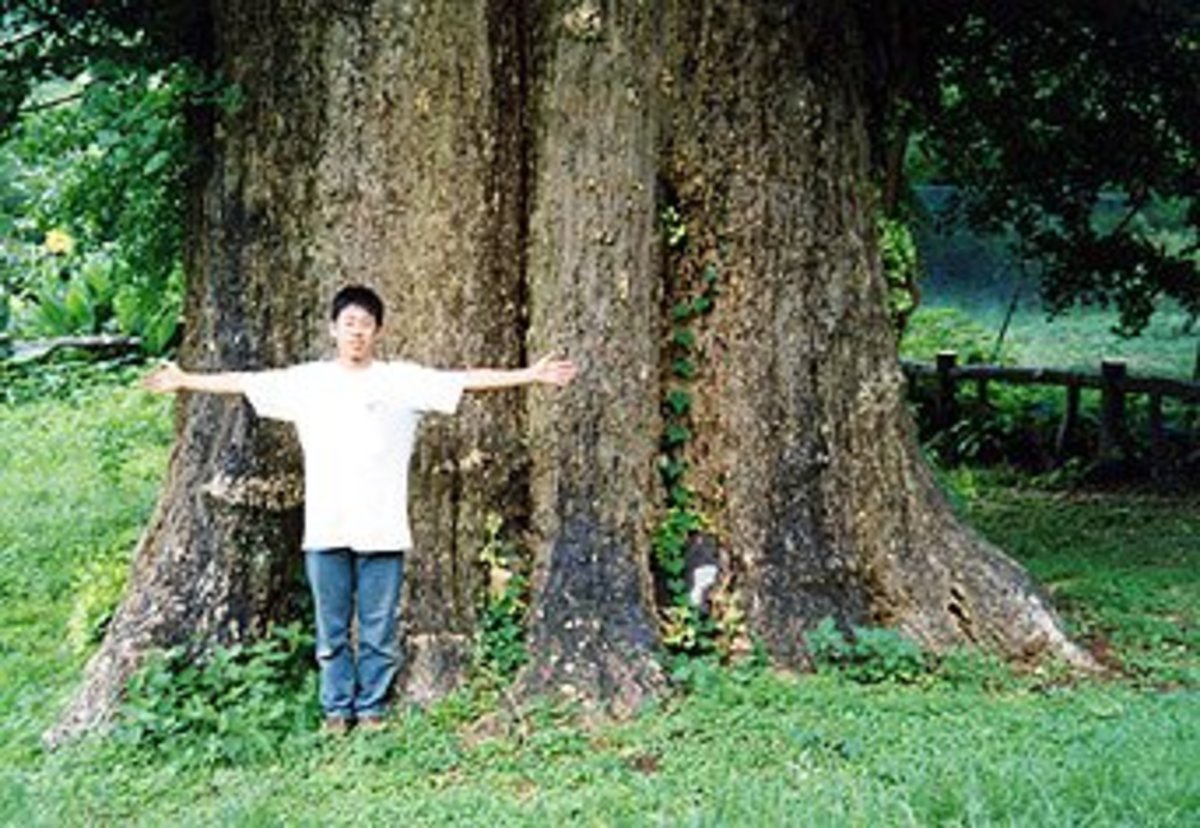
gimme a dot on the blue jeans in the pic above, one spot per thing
(355, 687)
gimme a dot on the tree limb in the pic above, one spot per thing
(52, 104)
(33, 351)
(22, 38)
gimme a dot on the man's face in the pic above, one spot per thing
(355, 332)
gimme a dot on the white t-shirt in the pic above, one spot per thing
(356, 428)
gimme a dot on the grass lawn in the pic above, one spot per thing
(965, 746)
(1078, 339)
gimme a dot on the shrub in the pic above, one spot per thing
(870, 655)
(500, 645)
(90, 218)
(970, 668)
(234, 705)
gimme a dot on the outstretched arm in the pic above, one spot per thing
(171, 378)
(546, 371)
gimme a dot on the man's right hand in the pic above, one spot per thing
(170, 378)
(166, 379)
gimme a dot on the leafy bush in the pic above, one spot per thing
(235, 705)
(965, 667)
(876, 655)
(500, 645)
(901, 266)
(91, 214)
(870, 655)
(1016, 425)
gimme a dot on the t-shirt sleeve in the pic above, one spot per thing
(429, 389)
(277, 394)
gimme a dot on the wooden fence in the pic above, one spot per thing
(105, 346)
(1113, 382)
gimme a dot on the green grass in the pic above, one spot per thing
(760, 751)
(79, 477)
(1078, 339)
(1124, 569)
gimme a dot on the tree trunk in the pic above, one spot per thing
(805, 460)
(595, 294)
(376, 143)
(496, 170)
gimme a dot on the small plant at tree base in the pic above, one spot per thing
(97, 590)
(971, 668)
(501, 646)
(234, 705)
(870, 655)
(686, 630)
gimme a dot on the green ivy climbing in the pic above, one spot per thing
(685, 631)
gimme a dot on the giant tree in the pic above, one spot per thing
(501, 171)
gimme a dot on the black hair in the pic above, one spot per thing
(360, 296)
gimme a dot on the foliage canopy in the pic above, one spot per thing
(92, 174)
(1072, 126)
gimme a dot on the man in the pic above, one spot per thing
(356, 417)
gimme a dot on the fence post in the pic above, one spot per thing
(1065, 440)
(945, 412)
(1158, 437)
(1113, 442)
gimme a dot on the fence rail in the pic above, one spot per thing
(103, 345)
(1113, 382)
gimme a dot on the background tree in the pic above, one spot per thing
(501, 171)
(1069, 127)
(92, 107)
(90, 197)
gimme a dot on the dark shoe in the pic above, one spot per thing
(335, 726)
(372, 723)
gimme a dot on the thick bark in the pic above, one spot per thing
(375, 143)
(422, 179)
(594, 295)
(805, 459)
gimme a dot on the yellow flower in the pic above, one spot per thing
(59, 241)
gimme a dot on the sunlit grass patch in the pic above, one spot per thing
(1077, 339)
(1123, 568)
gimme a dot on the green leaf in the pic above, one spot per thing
(676, 435)
(684, 368)
(78, 306)
(684, 338)
(680, 497)
(678, 401)
(672, 469)
(157, 161)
